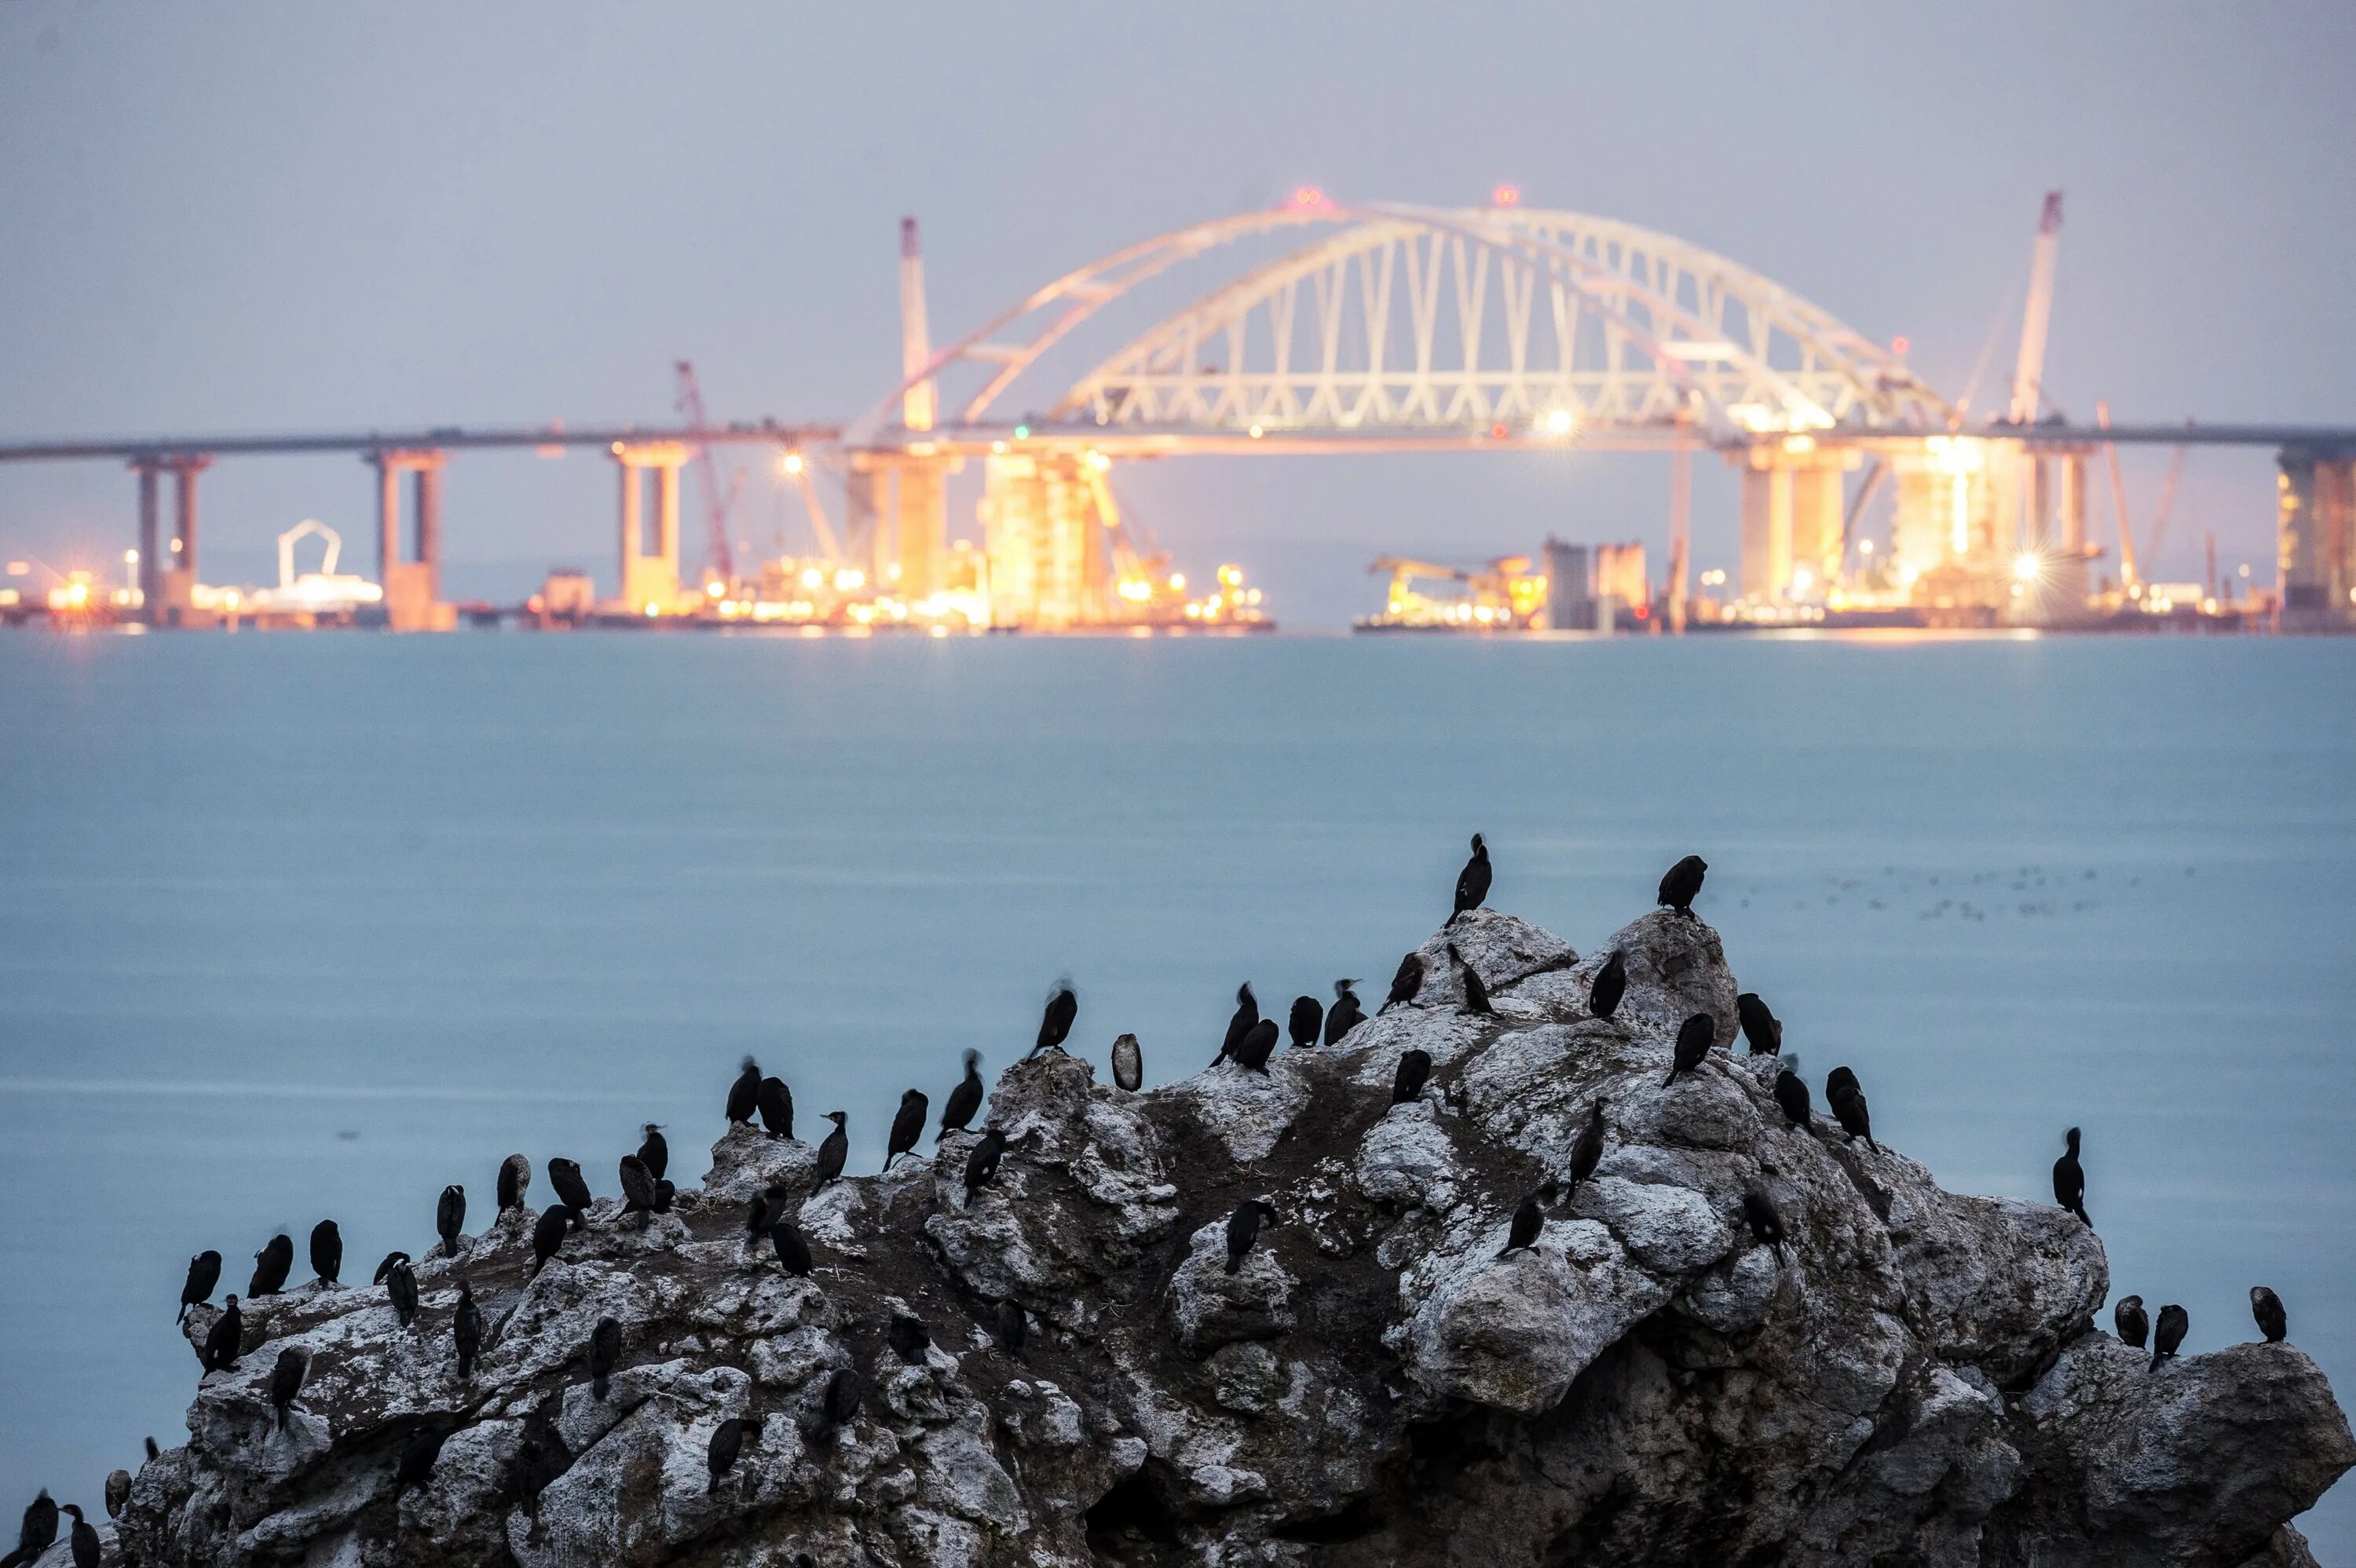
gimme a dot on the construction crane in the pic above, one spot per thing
(2127, 578)
(2167, 485)
(2029, 368)
(717, 564)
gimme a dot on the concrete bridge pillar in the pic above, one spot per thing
(1791, 512)
(168, 571)
(2315, 538)
(921, 534)
(648, 581)
(410, 571)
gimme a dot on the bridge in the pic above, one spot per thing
(1323, 327)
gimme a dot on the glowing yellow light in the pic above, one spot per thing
(939, 630)
(1178, 580)
(653, 609)
(1797, 444)
(1559, 422)
(715, 588)
(813, 578)
(130, 558)
(1865, 547)
(1256, 431)
(1100, 461)
(1803, 580)
(1230, 576)
(1193, 611)
(849, 578)
(791, 463)
(1136, 589)
(2026, 566)
(999, 447)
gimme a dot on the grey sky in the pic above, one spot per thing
(240, 215)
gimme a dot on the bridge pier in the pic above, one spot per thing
(167, 572)
(650, 565)
(2315, 538)
(410, 571)
(1792, 510)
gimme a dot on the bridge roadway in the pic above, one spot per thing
(136, 449)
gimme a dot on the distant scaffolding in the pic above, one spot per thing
(1049, 565)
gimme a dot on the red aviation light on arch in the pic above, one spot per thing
(1309, 198)
(1505, 196)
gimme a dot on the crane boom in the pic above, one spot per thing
(717, 562)
(2029, 369)
(2119, 501)
(2167, 485)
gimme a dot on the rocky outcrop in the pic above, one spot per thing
(1913, 1377)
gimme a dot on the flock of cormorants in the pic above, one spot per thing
(1250, 1040)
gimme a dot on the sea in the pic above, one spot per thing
(296, 927)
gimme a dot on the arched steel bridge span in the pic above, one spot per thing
(1391, 326)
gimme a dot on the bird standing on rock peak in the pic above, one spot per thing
(385, 1267)
(2070, 1178)
(1766, 1225)
(450, 1218)
(1476, 995)
(1241, 1023)
(401, 1288)
(1473, 881)
(1055, 1023)
(1588, 1152)
(1345, 1014)
(1792, 1097)
(467, 1328)
(36, 1533)
(1610, 985)
(965, 1099)
(83, 1542)
(637, 1190)
(1243, 1229)
(775, 1102)
(907, 1125)
(1522, 1233)
(204, 1273)
(793, 1251)
(1695, 1036)
(655, 1152)
(605, 1355)
(515, 1180)
(1128, 1063)
(1406, 983)
(270, 1266)
(2168, 1333)
(1761, 1030)
(745, 1093)
(834, 1151)
(982, 1165)
(118, 1492)
(1308, 1014)
(286, 1382)
(1257, 1046)
(2268, 1308)
(2134, 1323)
(225, 1341)
(327, 1252)
(1848, 1107)
(1681, 884)
(565, 1174)
(1414, 1070)
(548, 1234)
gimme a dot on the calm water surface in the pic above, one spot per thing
(305, 927)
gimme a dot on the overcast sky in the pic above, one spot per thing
(260, 215)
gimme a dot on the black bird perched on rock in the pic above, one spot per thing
(286, 1382)
(1681, 882)
(1610, 985)
(964, 1100)
(1345, 1014)
(1847, 1102)
(664, 1193)
(745, 1093)
(1473, 881)
(540, 1460)
(565, 1174)
(417, 1456)
(1308, 1014)
(907, 1125)
(605, 1355)
(1761, 1030)
(225, 1341)
(1128, 1063)
(37, 1534)
(1695, 1036)
(654, 1153)
(385, 1267)
(839, 1405)
(2268, 1308)
(2134, 1325)
(1766, 1225)
(271, 1264)
(1414, 1071)
(1522, 1233)
(467, 1328)
(908, 1338)
(1245, 1019)
(83, 1542)
(727, 1442)
(548, 1234)
(1055, 1023)
(793, 1251)
(400, 1285)
(2070, 1178)
(1257, 1046)
(118, 1492)
(327, 1252)
(450, 1218)
(1406, 983)
(153, 1452)
(776, 1103)
(1792, 1094)
(638, 1188)
(1476, 995)
(833, 1149)
(203, 1273)
(769, 1208)
(1838, 1080)
(2168, 1333)
(515, 1180)
(1012, 1327)
(1243, 1229)
(1588, 1152)
(982, 1165)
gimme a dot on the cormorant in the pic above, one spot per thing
(1307, 1015)
(769, 1208)
(605, 1355)
(1611, 983)
(2134, 1323)
(908, 1339)
(832, 1150)
(1476, 995)
(1761, 1030)
(540, 1460)
(982, 1165)
(777, 1104)
(1243, 1229)
(38, 1533)
(565, 1174)
(2169, 1333)
(286, 1381)
(1246, 1016)
(793, 1251)
(385, 1267)
(655, 1152)
(450, 1218)
(965, 1098)
(1588, 1152)
(1681, 882)
(467, 1327)
(638, 1188)
(2268, 1308)
(84, 1538)
(548, 1234)
(745, 1093)
(417, 1457)
(203, 1273)
(400, 1285)
(270, 1266)
(1792, 1094)
(1695, 1036)
(153, 1452)
(1414, 1070)
(1838, 1080)
(515, 1180)
(118, 1492)
(1766, 1225)
(1128, 1063)
(839, 1405)
(1345, 1014)
(1847, 1102)
(1473, 881)
(1406, 983)
(664, 1193)
(2070, 1178)
(1257, 1046)
(727, 1442)
(907, 1125)
(327, 1252)
(1055, 1023)
(1529, 1221)
(225, 1341)
(1013, 1327)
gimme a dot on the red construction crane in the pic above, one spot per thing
(717, 562)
